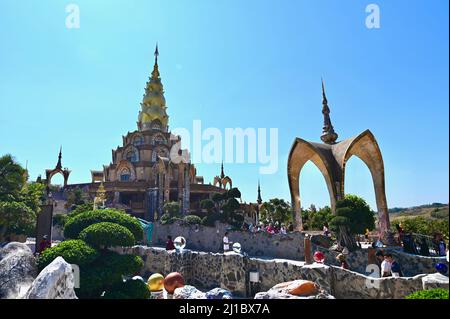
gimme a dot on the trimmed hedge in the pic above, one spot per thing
(77, 224)
(167, 219)
(437, 293)
(192, 220)
(130, 289)
(73, 251)
(211, 218)
(107, 235)
(106, 272)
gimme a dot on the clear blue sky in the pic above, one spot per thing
(233, 64)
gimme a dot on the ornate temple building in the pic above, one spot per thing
(150, 168)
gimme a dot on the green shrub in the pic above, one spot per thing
(172, 209)
(130, 289)
(439, 214)
(210, 219)
(437, 293)
(60, 219)
(207, 204)
(106, 272)
(192, 220)
(16, 218)
(81, 209)
(77, 224)
(165, 218)
(73, 251)
(107, 235)
(424, 226)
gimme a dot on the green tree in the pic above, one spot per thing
(207, 204)
(276, 210)
(12, 178)
(16, 218)
(172, 209)
(32, 195)
(322, 216)
(353, 216)
(75, 197)
(425, 226)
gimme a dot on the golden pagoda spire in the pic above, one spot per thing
(153, 106)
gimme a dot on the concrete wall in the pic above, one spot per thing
(231, 271)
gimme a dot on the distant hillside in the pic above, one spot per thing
(431, 211)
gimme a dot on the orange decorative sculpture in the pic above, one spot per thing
(172, 281)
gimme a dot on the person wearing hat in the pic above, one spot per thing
(341, 259)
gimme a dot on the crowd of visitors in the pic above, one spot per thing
(389, 266)
(269, 227)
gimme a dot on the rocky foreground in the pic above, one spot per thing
(19, 278)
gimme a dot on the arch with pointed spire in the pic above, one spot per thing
(331, 158)
(222, 180)
(49, 173)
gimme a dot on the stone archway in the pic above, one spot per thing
(366, 148)
(301, 152)
(49, 173)
(331, 160)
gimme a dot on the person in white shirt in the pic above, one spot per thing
(226, 243)
(386, 267)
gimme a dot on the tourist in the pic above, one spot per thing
(442, 247)
(341, 258)
(379, 255)
(169, 244)
(396, 270)
(400, 233)
(45, 243)
(226, 243)
(270, 229)
(326, 231)
(424, 248)
(283, 230)
(366, 235)
(386, 266)
(290, 227)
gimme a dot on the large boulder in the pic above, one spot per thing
(282, 294)
(436, 280)
(188, 292)
(296, 289)
(17, 270)
(218, 293)
(56, 281)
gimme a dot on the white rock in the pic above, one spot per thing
(188, 292)
(56, 281)
(17, 270)
(436, 280)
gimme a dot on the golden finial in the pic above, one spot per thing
(156, 53)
